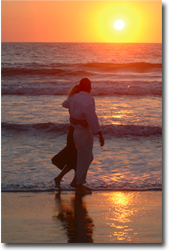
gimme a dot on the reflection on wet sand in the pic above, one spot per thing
(118, 217)
(122, 215)
(74, 218)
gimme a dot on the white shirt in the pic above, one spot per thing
(82, 107)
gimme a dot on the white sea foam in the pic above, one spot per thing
(99, 88)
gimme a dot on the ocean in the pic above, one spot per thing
(127, 87)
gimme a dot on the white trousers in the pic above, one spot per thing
(83, 139)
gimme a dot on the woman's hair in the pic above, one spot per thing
(75, 89)
(84, 85)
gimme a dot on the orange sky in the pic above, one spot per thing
(81, 21)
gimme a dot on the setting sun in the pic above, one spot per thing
(119, 24)
(66, 21)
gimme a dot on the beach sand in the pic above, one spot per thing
(103, 217)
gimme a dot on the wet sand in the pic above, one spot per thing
(103, 217)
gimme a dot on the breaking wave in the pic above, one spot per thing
(77, 69)
(99, 88)
(110, 130)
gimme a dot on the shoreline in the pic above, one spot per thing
(73, 190)
(103, 217)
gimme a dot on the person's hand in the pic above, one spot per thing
(101, 139)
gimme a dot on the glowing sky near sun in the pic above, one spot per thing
(81, 21)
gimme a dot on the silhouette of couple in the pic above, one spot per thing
(84, 122)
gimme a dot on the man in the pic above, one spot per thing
(82, 110)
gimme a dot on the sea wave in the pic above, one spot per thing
(110, 130)
(77, 69)
(10, 72)
(99, 87)
(106, 187)
(135, 66)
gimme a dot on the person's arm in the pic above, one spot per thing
(66, 103)
(101, 138)
(93, 122)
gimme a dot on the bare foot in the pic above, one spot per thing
(57, 183)
(81, 190)
(73, 184)
(86, 188)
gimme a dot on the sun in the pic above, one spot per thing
(119, 24)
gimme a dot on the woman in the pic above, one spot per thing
(66, 159)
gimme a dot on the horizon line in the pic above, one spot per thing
(83, 42)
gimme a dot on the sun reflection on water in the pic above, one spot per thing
(121, 213)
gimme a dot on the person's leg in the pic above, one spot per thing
(84, 140)
(58, 179)
(73, 183)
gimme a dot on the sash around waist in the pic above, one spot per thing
(79, 122)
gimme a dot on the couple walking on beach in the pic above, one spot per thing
(78, 154)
